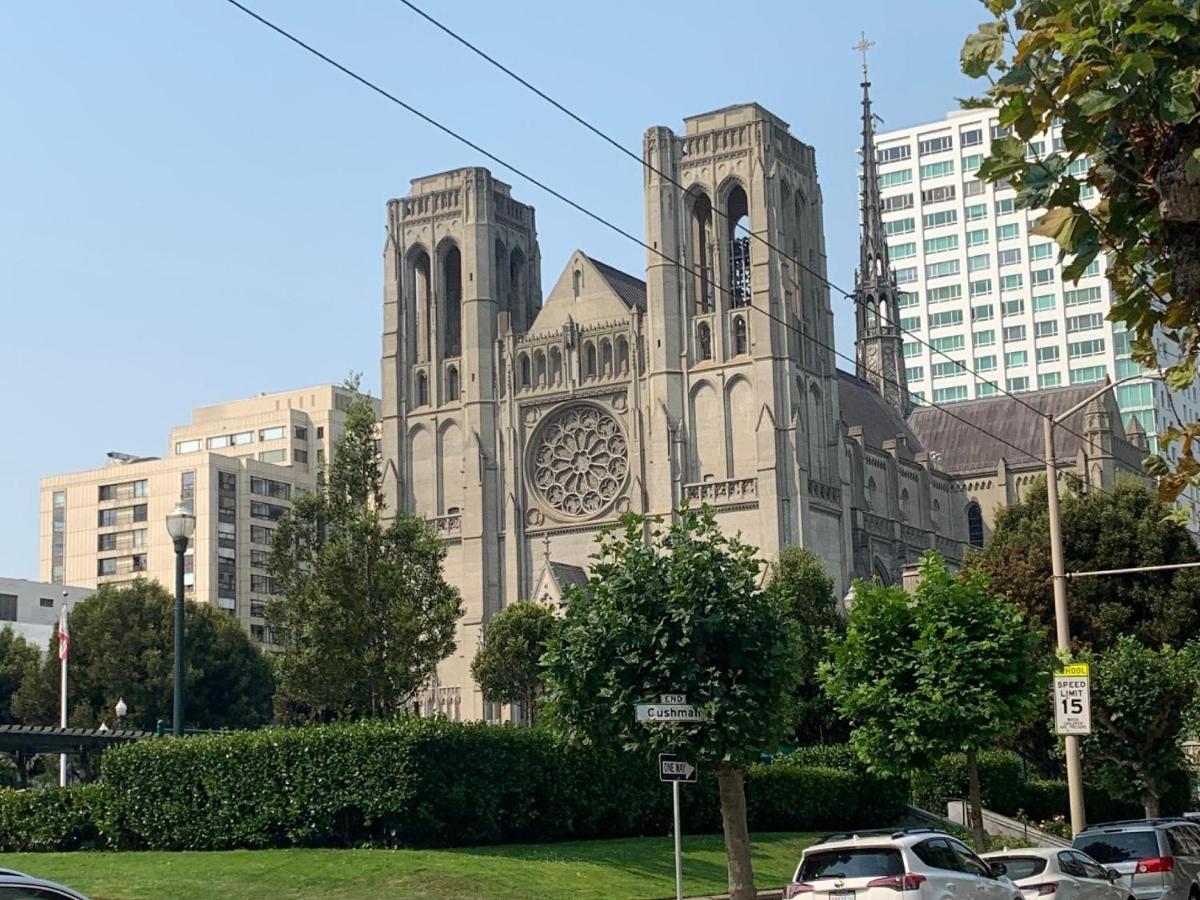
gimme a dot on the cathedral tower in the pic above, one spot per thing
(879, 347)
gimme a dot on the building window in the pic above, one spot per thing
(900, 226)
(106, 566)
(1049, 380)
(893, 154)
(942, 269)
(1040, 251)
(260, 559)
(265, 487)
(914, 373)
(1006, 206)
(950, 394)
(911, 350)
(910, 323)
(1014, 308)
(1084, 323)
(1041, 277)
(974, 525)
(260, 534)
(8, 607)
(1085, 348)
(273, 456)
(938, 144)
(703, 341)
(300, 433)
(1016, 359)
(1045, 329)
(1009, 257)
(938, 194)
(895, 179)
(985, 338)
(977, 238)
(948, 369)
(981, 288)
(1081, 296)
(1087, 374)
(984, 312)
(262, 584)
(971, 138)
(985, 389)
(451, 384)
(1019, 384)
(1014, 333)
(903, 251)
(937, 169)
(741, 343)
(977, 212)
(1011, 283)
(260, 510)
(946, 344)
(906, 275)
(942, 244)
(944, 293)
(272, 434)
(946, 319)
(187, 446)
(898, 202)
(972, 163)
(985, 363)
(940, 220)
(126, 490)
(979, 262)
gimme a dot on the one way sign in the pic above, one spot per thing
(672, 768)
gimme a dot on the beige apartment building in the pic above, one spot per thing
(238, 465)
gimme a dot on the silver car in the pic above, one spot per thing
(17, 886)
(1158, 859)
(1058, 874)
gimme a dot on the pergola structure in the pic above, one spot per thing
(24, 742)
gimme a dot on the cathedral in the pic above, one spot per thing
(520, 426)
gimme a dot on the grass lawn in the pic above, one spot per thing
(625, 869)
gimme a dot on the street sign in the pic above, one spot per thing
(672, 768)
(1073, 700)
(663, 712)
(673, 699)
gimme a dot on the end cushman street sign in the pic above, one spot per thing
(1073, 700)
(672, 708)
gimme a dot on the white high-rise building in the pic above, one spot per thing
(984, 291)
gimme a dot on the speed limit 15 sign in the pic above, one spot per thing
(1072, 703)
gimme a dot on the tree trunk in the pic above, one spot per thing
(975, 801)
(732, 784)
(1151, 800)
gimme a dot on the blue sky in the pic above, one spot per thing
(192, 209)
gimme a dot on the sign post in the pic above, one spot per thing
(673, 708)
(1073, 700)
(675, 770)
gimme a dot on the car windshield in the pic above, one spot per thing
(852, 863)
(1119, 846)
(1018, 867)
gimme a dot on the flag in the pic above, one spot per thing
(64, 636)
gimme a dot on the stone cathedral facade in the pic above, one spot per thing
(520, 425)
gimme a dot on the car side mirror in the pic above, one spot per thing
(998, 869)
(1113, 874)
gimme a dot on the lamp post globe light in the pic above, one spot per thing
(122, 710)
(181, 525)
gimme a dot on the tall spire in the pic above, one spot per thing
(878, 342)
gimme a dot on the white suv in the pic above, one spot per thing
(910, 864)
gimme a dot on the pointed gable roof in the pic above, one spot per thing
(604, 294)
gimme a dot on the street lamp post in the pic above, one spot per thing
(1062, 623)
(180, 526)
(122, 710)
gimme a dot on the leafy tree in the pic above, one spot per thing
(1123, 79)
(1140, 702)
(364, 613)
(122, 646)
(945, 669)
(803, 589)
(679, 610)
(16, 656)
(507, 666)
(1101, 530)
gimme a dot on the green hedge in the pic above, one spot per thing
(834, 756)
(74, 818)
(1001, 778)
(426, 782)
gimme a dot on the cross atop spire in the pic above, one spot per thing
(862, 47)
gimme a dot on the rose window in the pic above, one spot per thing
(580, 461)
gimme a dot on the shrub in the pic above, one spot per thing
(833, 756)
(428, 782)
(73, 818)
(1000, 782)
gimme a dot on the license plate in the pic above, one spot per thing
(841, 895)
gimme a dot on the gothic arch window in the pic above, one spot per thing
(606, 358)
(872, 313)
(526, 371)
(502, 296)
(452, 300)
(555, 374)
(904, 505)
(500, 373)
(589, 360)
(451, 383)
(423, 301)
(539, 368)
(623, 355)
(516, 289)
(974, 524)
(577, 282)
(870, 493)
(703, 341)
(741, 340)
(881, 573)
(422, 389)
(702, 252)
(737, 211)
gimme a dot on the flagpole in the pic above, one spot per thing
(64, 643)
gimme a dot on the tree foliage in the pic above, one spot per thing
(507, 666)
(1123, 79)
(948, 668)
(122, 647)
(1123, 528)
(1141, 700)
(17, 658)
(364, 613)
(678, 609)
(802, 588)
